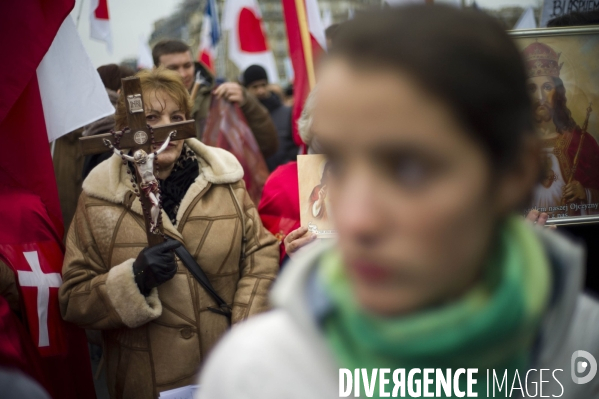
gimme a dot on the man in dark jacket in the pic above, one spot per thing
(255, 80)
(176, 56)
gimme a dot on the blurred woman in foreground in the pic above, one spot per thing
(425, 117)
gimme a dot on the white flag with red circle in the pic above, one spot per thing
(248, 44)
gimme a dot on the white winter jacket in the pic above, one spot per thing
(283, 354)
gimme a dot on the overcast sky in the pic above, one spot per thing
(132, 18)
(129, 19)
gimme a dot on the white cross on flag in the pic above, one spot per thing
(37, 266)
(43, 282)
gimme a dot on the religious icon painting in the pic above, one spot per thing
(313, 174)
(563, 80)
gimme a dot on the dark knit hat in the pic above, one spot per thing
(254, 73)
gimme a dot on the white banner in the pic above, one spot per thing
(71, 90)
(557, 8)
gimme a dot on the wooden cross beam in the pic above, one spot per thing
(138, 137)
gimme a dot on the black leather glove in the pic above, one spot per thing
(155, 265)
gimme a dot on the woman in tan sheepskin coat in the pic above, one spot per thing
(155, 343)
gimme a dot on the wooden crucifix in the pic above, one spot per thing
(138, 136)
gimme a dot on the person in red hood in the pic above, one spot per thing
(279, 207)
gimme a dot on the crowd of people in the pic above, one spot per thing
(431, 152)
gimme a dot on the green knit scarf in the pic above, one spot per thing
(493, 326)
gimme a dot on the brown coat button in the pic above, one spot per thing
(186, 332)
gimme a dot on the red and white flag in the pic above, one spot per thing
(247, 39)
(316, 25)
(72, 92)
(99, 22)
(209, 37)
(307, 42)
(49, 89)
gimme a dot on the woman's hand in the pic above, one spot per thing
(296, 239)
(539, 218)
(155, 265)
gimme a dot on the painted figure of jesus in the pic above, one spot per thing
(570, 154)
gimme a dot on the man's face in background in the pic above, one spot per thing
(182, 63)
(259, 89)
(542, 90)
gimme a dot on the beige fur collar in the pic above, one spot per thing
(109, 180)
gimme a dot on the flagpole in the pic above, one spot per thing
(306, 41)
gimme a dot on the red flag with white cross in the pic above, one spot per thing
(30, 246)
(49, 88)
(37, 267)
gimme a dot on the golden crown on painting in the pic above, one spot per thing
(541, 60)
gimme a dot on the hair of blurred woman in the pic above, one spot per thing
(481, 77)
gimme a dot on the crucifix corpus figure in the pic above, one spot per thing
(137, 144)
(144, 164)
